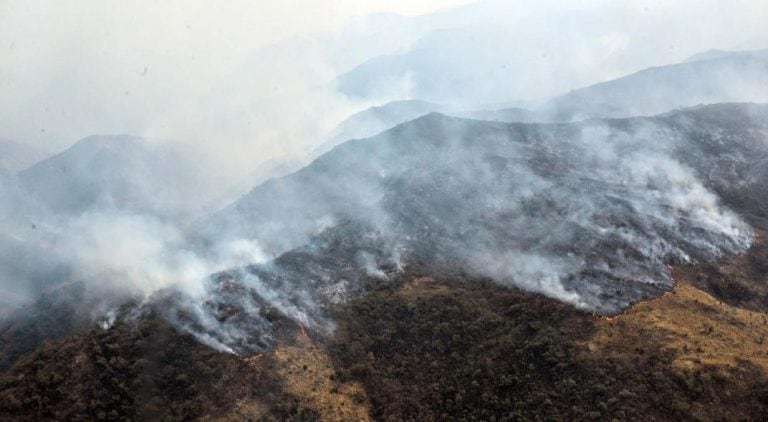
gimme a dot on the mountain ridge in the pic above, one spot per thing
(119, 171)
(396, 159)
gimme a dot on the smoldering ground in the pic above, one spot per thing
(588, 213)
(548, 203)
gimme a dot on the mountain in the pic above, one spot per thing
(591, 211)
(713, 78)
(382, 313)
(709, 55)
(710, 77)
(26, 259)
(15, 156)
(459, 66)
(517, 52)
(500, 58)
(265, 170)
(375, 120)
(121, 172)
(340, 328)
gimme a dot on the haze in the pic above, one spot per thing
(248, 81)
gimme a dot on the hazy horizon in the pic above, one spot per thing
(246, 82)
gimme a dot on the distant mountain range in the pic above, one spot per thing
(515, 52)
(710, 77)
(121, 172)
(706, 79)
(423, 262)
(375, 120)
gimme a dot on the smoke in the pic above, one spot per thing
(246, 82)
(604, 215)
(524, 52)
(590, 213)
(567, 211)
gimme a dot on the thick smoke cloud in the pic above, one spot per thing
(245, 83)
(249, 81)
(242, 77)
(591, 213)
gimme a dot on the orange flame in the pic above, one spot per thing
(608, 318)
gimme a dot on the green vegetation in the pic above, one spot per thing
(135, 371)
(428, 345)
(462, 350)
(442, 348)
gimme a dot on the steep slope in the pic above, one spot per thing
(375, 120)
(424, 345)
(453, 349)
(56, 313)
(26, 262)
(708, 79)
(523, 53)
(422, 335)
(478, 64)
(122, 172)
(142, 369)
(589, 213)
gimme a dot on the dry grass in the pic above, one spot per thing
(303, 370)
(306, 371)
(421, 287)
(244, 410)
(696, 327)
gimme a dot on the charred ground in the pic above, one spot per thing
(425, 346)
(430, 341)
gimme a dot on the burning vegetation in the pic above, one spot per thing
(413, 317)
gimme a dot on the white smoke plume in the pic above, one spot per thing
(246, 83)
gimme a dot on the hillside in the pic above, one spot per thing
(706, 79)
(516, 54)
(710, 77)
(368, 319)
(432, 187)
(425, 347)
(120, 172)
(454, 210)
(25, 262)
(375, 120)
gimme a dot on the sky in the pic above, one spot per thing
(67, 67)
(247, 81)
